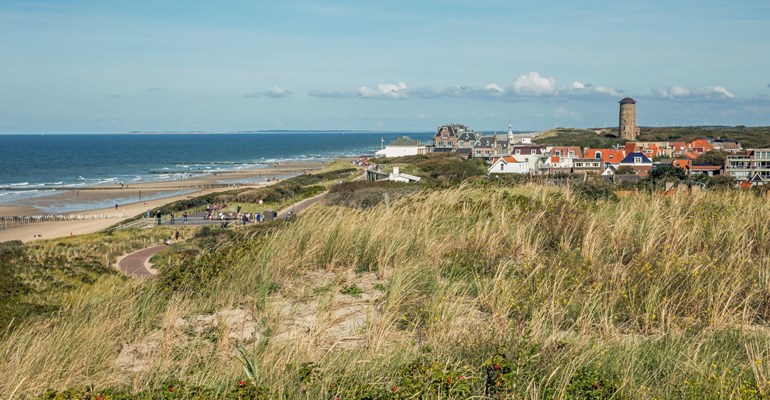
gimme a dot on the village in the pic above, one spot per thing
(516, 153)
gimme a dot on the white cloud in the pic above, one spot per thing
(719, 91)
(488, 91)
(494, 88)
(525, 86)
(384, 90)
(274, 92)
(580, 89)
(679, 92)
(534, 84)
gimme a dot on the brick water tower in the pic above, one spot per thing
(628, 129)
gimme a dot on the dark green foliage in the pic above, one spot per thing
(749, 137)
(596, 190)
(590, 384)
(167, 390)
(721, 182)
(12, 289)
(668, 172)
(29, 285)
(579, 137)
(451, 169)
(711, 157)
(364, 194)
(352, 290)
(442, 168)
(625, 170)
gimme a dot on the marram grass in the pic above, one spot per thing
(525, 292)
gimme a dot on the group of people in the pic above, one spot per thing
(216, 212)
(172, 219)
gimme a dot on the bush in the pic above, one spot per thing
(596, 190)
(365, 194)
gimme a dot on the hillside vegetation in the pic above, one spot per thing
(749, 137)
(577, 137)
(528, 291)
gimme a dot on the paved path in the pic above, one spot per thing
(301, 205)
(136, 264)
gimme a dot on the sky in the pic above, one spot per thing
(92, 66)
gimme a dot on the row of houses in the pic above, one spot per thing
(515, 153)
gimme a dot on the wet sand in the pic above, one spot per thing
(48, 230)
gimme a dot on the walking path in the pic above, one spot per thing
(137, 264)
(301, 205)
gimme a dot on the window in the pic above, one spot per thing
(502, 166)
(598, 155)
(637, 160)
(557, 153)
(518, 151)
(571, 154)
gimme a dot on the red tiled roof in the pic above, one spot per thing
(682, 163)
(706, 167)
(510, 159)
(608, 155)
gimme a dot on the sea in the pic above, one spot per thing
(36, 163)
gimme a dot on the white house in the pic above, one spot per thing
(508, 165)
(398, 176)
(402, 146)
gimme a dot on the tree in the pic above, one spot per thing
(711, 157)
(668, 172)
(625, 170)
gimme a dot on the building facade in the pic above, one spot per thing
(753, 164)
(627, 127)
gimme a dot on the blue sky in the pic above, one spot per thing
(97, 66)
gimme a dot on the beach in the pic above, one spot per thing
(191, 187)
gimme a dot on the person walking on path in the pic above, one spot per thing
(176, 235)
(184, 217)
(157, 216)
(172, 218)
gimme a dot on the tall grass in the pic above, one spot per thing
(522, 292)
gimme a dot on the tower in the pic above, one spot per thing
(628, 129)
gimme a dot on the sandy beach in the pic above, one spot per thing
(196, 184)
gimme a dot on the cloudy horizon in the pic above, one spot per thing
(85, 66)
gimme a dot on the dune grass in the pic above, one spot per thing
(522, 292)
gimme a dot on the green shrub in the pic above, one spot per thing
(595, 190)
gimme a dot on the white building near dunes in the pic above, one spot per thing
(508, 165)
(402, 146)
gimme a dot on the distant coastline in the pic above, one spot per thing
(258, 131)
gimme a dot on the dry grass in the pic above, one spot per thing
(663, 297)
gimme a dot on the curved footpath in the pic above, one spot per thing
(137, 264)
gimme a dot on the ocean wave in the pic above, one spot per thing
(136, 178)
(19, 184)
